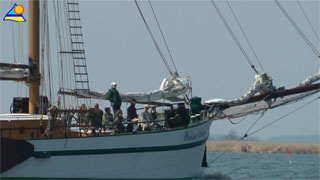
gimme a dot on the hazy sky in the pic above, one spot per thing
(119, 48)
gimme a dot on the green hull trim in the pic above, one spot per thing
(48, 154)
(13, 178)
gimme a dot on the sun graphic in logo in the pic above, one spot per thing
(15, 14)
(18, 9)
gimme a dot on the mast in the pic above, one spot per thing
(34, 54)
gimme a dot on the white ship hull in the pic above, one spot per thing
(167, 154)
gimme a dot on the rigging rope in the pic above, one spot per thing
(21, 46)
(13, 45)
(74, 7)
(244, 34)
(42, 33)
(49, 65)
(154, 14)
(247, 135)
(59, 46)
(297, 29)
(154, 41)
(280, 118)
(69, 62)
(46, 76)
(255, 122)
(230, 147)
(305, 15)
(13, 40)
(65, 60)
(71, 48)
(243, 118)
(234, 37)
(21, 42)
(242, 138)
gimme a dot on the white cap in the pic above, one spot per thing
(146, 105)
(113, 83)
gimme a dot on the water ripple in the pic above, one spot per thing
(262, 166)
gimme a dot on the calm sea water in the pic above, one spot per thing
(262, 166)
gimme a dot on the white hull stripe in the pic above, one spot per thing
(46, 154)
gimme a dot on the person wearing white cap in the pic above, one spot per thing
(114, 97)
(145, 119)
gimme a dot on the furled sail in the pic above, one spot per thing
(269, 98)
(13, 71)
(263, 84)
(169, 90)
(310, 79)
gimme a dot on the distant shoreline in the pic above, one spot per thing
(263, 147)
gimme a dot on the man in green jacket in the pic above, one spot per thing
(114, 97)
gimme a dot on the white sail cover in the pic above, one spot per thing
(13, 73)
(169, 90)
(239, 107)
(260, 106)
(263, 84)
(310, 79)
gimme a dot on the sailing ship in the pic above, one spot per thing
(43, 140)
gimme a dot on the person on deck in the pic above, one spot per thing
(107, 118)
(145, 119)
(98, 113)
(114, 97)
(154, 113)
(117, 123)
(83, 115)
(154, 116)
(132, 115)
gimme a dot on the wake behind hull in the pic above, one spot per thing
(166, 154)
